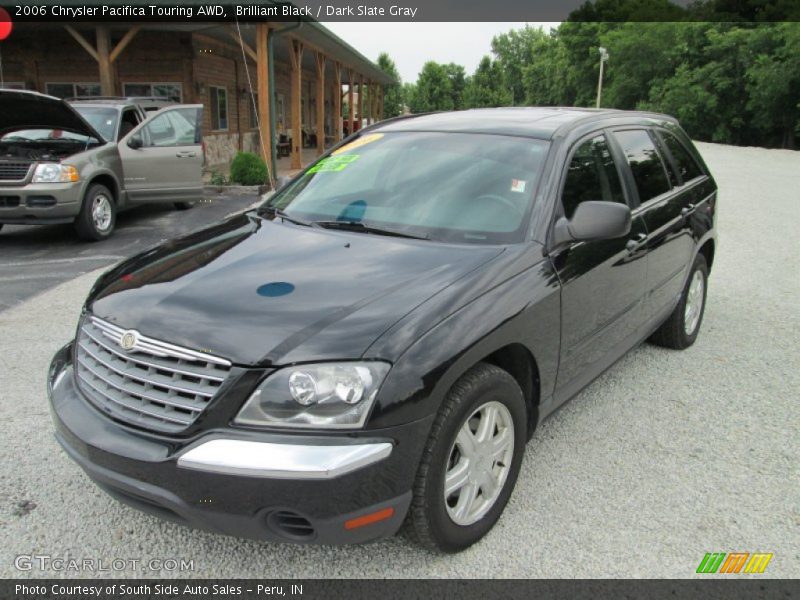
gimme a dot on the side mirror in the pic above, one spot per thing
(135, 142)
(282, 182)
(594, 220)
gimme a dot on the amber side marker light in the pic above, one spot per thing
(369, 519)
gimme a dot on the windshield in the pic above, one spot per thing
(455, 187)
(103, 120)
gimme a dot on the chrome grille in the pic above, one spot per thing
(154, 384)
(14, 170)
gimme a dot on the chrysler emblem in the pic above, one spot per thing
(128, 340)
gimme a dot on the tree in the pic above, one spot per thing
(458, 79)
(773, 83)
(434, 90)
(486, 87)
(392, 93)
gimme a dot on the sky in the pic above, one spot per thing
(410, 45)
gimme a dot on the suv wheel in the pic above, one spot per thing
(680, 329)
(183, 205)
(471, 460)
(98, 214)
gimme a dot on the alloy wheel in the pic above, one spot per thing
(478, 463)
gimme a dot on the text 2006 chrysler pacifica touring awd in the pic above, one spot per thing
(377, 342)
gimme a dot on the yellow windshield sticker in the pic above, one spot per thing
(357, 143)
(333, 164)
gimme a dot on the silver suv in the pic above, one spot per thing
(84, 161)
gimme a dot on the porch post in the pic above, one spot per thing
(264, 95)
(104, 60)
(350, 102)
(336, 99)
(319, 59)
(360, 101)
(296, 56)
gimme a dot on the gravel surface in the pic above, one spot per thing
(667, 456)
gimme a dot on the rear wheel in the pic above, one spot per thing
(183, 205)
(98, 214)
(681, 328)
(471, 461)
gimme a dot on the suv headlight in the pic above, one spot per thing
(55, 173)
(324, 396)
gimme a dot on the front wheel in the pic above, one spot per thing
(471, 460)
(680, 329)
(98, 214)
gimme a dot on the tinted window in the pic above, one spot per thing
(446, 186)
(129, 121)
(687, 167)
(591, 176)
(646, 166)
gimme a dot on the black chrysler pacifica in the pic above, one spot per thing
(375, 344)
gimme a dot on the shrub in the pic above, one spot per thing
(217, 179)
(248, 169)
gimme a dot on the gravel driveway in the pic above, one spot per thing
(667, 456)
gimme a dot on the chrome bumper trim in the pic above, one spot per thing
(281, 461)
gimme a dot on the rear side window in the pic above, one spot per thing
(592, 175)
(686, 164)
(645, 163)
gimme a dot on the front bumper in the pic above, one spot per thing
(330, 489)
(39, 203)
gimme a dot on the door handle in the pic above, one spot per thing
(636, 242)
(186, 154)
(687, 210)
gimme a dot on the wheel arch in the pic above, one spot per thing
(707, 249)
(518, 361)
(107, 180)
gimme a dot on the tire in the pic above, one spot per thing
(432, 519)
(98, 214)
(681, 328)
(183, 205)
(1, 227)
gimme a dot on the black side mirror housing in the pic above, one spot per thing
(135, 142)
(594, 220)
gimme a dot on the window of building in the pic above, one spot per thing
(12, 85)
(648, 170)
(219, 108)
(281, 112)
(592, 175)
(73, 90)
(686, 164)
(172, 91)
(252, 105)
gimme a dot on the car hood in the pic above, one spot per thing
(31, 110)
(261, 292)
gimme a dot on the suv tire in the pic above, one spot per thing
(433, 517)
(98, 214)
(680, 329)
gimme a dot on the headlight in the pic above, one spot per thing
(55, 173)
(325, 396)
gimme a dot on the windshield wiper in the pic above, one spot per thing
(358, 226)
(278, 212)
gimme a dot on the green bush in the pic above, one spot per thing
(248, 169)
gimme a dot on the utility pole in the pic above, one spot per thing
(603, 59)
